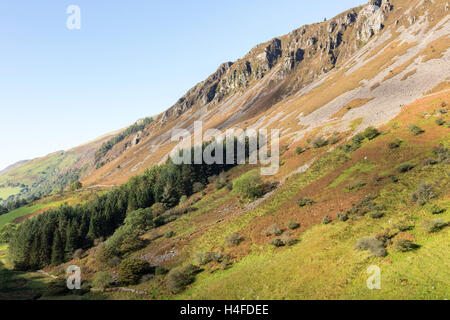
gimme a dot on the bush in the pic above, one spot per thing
(371, 133)
(437, 210)
(102, 281)
(405, 167)
(203, 258)
(183, 199)
(405, 245)
(303, 202)
(131, 270)
(277, 243)
(158, 209)
(160, 271)
(334, 139)
(342, 217)
(395, 144)
(273, 230)
(78, 254)
(358, 139)
(288, 240)
(249, 185)
(233, 240)
(7, 232)
(114, 262)
(440, 122)
(404, 226)
(424, 193)
(394, 178)
(442, 153)
(435, 225)
(319, 142)
(358, 184)
(376, 215)
(429, 162)
(170, 234)
(299, 150)
(415, 129)
(293, 225)
(132, 243)
(197, 187)
(326, 220)
(375, 246)
(178, 280)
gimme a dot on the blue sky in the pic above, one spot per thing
(130, 59)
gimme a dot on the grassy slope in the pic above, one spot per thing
(323, 264)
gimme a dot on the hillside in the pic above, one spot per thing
(362, 104)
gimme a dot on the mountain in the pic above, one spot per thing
(361, 101)
(13, 166)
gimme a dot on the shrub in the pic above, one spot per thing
(7, 232)
(434, 225)
(429, 162)
(158, 209)
(191, 270)
(415, 129)
(277, 243)
(404, 226)
(358, 184)
(371, 133)
(350, 147)
(170, 234)
(160, 271)
(132, 243)
(376, 215)
(342, 217)
(395, 144)
(233, 240)
(303, 202)
(437, 210)
(183, 199)
(405, 167)
(178, 280)
(405, 245)
(375, 246)
(293, 225)
(358, 138)
(131, 270)
(442, 153)
(424, 193)
(334, 139)
(394, 178)
(326, 220)
(114, 262)
(203, 258)
(78, 254)
(102, 281)
(249, 185)
(319, 142)
(273, 230)
(288, 240)
(197, 187)
(299, 150)
(230, 186)
(440, 122)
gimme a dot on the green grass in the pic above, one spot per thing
(18, 213)
(361, 167)
(8, 191)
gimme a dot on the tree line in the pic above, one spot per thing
(52, 237)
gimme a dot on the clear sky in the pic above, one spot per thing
(130, 59)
